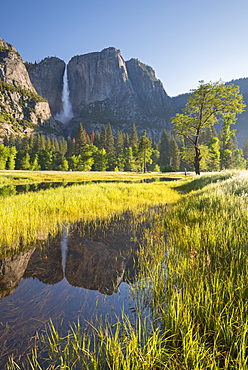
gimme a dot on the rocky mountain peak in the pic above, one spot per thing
(20, 105)
(47, 78)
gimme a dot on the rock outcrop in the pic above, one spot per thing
(21, 108)
(12, 270)
(47, 78)
(106, 89)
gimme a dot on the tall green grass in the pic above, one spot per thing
(193, 276)
(26, 218)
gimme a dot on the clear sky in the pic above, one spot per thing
(184, 41)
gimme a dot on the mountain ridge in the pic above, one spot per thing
(103, 89)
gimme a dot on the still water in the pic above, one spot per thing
(7, 190)
(84, 273)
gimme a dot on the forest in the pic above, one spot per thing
(101, 151)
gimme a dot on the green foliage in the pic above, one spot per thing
(207, 105)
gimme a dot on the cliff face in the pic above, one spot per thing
(104, 88)
(47, 78)
(20, 106)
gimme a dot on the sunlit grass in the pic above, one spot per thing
(24, 177)
(24, 218)
(193, 273)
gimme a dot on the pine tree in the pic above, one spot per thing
(19, 143)
(174, 155)
(80, 140)
(110, 143)
(130, 164)
(214, 154)
(103, 138)
(11, 140)
(25, 162)
(63, 146)
(145, 151)
(119, 145)
(164, 159)
(245, 151)
(97, 140)
(134, 136)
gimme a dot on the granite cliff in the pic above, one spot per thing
(104, 88)
(47, 77)
(22, 110)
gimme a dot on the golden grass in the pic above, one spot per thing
(23, 177)
(24, 218)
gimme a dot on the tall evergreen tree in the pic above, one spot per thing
(110, 143)
(133, 136)
(145, 151)
(245, 151)
(63, 146)
(80, 140)
(164, 159)
(103, 138)
(130, 164)
(119, 142)
(174, 155)
(214, 154)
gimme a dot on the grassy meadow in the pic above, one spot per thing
(26, 218)
(192, 273)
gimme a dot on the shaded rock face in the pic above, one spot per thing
(47, 78)
(104, 88)
(19, 102)
(12, 68)
(12, 270)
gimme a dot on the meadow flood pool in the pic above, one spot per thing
(85, 273)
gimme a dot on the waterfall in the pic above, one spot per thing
(66, 113)
(64, 249)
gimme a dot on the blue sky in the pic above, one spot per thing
(183, 40)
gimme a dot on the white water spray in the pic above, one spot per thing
(66, 114)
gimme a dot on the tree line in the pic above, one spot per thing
(101, 151)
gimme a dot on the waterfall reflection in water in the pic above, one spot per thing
(81, 275)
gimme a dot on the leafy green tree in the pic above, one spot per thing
(73, 162)
(25, 162)
(87, 157)
(64, 165)
(11, 158)
(35, 163)
(3, 156)
(207, 105)
(214, 154)
(154, 166)
(100, 160)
